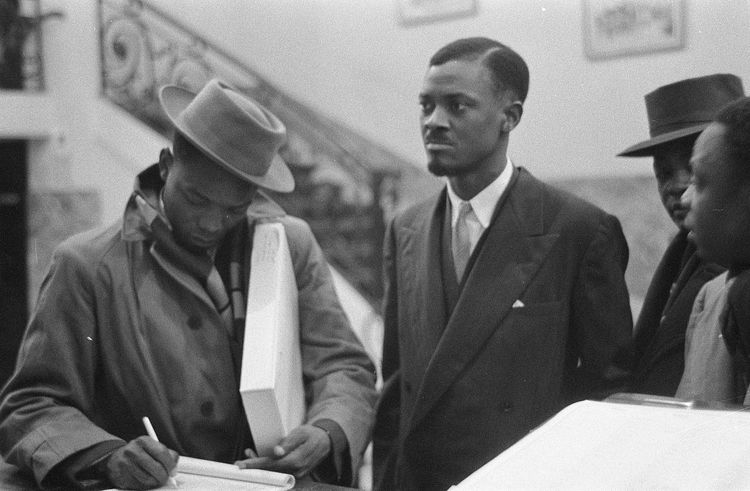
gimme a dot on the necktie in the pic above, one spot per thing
(218, 293)
(462, 238)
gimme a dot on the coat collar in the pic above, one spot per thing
(514, 247)
(135, 227)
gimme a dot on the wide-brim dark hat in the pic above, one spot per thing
(684, 108)
(234, 131)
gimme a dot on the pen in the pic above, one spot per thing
(152, 434)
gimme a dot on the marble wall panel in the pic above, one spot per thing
(52, 217)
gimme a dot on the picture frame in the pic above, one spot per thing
(412, 12)
(613, 28)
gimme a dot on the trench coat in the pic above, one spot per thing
(542, 319)
(119, 332)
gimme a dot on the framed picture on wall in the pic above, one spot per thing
(627, 27)
(420, 11)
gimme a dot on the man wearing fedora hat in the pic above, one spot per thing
(677, 114)
(145, 318)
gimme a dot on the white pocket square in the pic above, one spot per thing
(518, 304)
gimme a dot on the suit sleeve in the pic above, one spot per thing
(601, 319)
(389, 406)
(338, 374)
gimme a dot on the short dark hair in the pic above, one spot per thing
(736, 119)
(509, 71)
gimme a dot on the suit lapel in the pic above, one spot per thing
(659, 292)
(689, 267)
(512, 251)
(422, 251)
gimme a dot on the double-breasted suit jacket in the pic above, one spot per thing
(541, 319)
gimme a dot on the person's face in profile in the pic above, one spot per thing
(717, 200)
(672, 171)
(202, 201)
(462, 117)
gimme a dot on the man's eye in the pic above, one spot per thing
(457, 107)
(426, 107)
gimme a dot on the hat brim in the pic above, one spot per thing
(278, 178)
(646, 148)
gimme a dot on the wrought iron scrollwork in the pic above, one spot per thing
(21, 64)
(344, 181)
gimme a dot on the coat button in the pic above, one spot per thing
(507, 407)
(194, 322)
(407, 387)
(207, 409)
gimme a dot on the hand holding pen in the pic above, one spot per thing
(143, 463)
(152, 434)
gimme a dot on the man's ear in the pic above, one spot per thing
(165, 163)
(513, 112)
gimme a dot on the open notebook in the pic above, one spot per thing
(206, 475)
(271, 377)
(602, 445)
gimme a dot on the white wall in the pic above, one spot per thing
(91, 144)
(352, 60)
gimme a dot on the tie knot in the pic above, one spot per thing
(464, 209)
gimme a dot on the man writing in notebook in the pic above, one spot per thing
(504, 297)
(145, 318)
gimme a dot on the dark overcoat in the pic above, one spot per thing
(660, 330)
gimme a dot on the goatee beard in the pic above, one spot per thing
(436, 168)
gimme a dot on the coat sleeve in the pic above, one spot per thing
(338, 374)
(43, 416)
(387, 421)
(601, 317)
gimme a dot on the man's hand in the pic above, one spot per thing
(298, 454)
(143, 463)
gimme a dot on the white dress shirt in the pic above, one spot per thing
(483, 204)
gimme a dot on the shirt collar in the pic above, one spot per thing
(485, 201)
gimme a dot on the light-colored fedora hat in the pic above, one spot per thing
(237, 133)
(684, 108)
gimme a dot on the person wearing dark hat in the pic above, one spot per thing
(135, 320)
(677, 113)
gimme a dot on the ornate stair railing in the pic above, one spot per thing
(21, 45)
(345, 183)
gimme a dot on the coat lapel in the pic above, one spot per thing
(421, 253)
(513, 249)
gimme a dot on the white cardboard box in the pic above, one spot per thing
(271, 376)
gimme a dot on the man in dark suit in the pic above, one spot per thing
(499, 313)
(677, 113)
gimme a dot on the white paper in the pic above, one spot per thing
(599, 445)
(206, 475)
